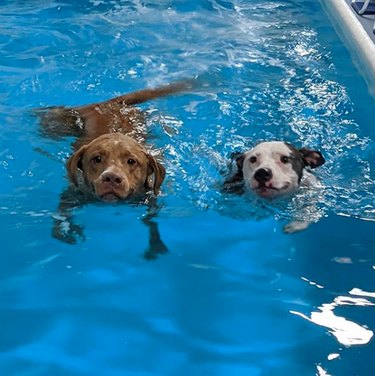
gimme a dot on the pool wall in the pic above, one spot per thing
(355, 37)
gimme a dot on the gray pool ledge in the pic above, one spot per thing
(356, 33)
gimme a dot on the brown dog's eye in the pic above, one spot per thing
(131, 161)
(253, 159)
(96, 159)
(284, 159)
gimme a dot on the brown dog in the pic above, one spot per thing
(109, 162)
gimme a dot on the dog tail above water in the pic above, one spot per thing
(144, 95)
(74, 119)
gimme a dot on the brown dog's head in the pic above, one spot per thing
(115, 167)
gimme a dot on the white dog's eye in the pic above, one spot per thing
(284, 159)
(253, 159)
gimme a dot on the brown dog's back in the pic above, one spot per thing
(114, 115)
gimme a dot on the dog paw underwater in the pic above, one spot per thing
(275, 176)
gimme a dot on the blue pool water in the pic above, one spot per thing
(234, 295)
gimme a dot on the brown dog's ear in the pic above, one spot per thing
(312, 158)
(155, 174)
(74, 164)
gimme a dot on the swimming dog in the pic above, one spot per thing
(273, 170)
(110, 162)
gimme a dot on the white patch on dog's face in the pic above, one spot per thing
(272, 169)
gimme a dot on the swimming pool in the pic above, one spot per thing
(234, 295)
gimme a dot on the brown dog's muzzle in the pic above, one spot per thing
(112, 186)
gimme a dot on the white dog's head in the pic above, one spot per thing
(274, 169)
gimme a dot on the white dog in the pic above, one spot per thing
(273, 170)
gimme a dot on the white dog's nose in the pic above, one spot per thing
(262, 175)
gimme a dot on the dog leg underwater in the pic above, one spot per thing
(156, 246)
(64, 228)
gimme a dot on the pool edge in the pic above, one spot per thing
(354, 36)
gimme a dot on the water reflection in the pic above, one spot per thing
(347, 332)
(278, 75)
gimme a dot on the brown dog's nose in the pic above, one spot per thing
(262, 175)
(111, 178)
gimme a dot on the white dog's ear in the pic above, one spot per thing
(239, 161)
(311, 158)
(234, 184)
